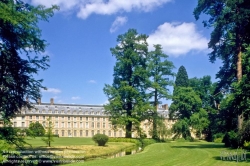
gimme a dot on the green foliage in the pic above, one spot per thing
(49, 136)
(160, 72)
(100, 139)
(139, 142)
(230, 43)
(185, 103)
(182, 78)
(199, 121)
(230, 20)
(245, 133)
(4, 146)
(132, 140)
(148, 141)
(36, 130)
(181, 129)
(246, 145)
(218, 140)
(187, 108)
(218, 136)
(242, 89)
(20, 36)
(162, 131)
(12, 135)
(231, 139)
(127, 95)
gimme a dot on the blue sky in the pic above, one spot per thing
(81, 34)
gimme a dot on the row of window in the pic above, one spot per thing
(69, 118)
(67, 112)
(81, 125)
(87, 133)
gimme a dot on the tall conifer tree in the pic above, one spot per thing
(160, 72)
(229, 39)
(127, 95)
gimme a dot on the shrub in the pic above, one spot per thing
(231, 139)
(148, 141)
(100, 139)
(132, 140)
(247, 145)
(244, 133)
(218, 140)
(218, 135)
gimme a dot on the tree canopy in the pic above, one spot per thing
(181, 77)
(20, 54)
(127, 95)
(36, 129)
(160, 73)
(229, 38)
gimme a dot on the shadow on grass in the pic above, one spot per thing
(234, 158)
(194, 146)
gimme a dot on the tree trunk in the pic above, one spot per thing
(239, 77)
(129, 124)
(155, 134)
(239, 67)
(129, 130)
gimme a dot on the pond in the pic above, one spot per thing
(129, 151)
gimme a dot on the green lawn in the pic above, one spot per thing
(76, 147)
(173, 154)
(63, 141)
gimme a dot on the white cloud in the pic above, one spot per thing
(75, 98)
(52, 90)
(119, 21)
(104, 7)
(64, 4)
(178, 39)
(92, 81)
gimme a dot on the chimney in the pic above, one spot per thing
(52, 101)
(39, 101)
(165, 106)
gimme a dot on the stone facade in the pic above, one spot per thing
(71, 120)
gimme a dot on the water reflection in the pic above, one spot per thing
(126, 152)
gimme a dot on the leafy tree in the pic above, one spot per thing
(159, 69)
(199, 121)
(127, 95)
(210, 103)
(185, 103)
(181, 77)
(187, 109)
(162, 130)
(182, 128)
(229, 39)
(205, 89)
(12, 135)
(36, 129)
(49, 136)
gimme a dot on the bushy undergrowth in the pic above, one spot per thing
(120, 139)
(148, 141)
(231, 139)
(138, 142)
(100, 139)
(218, 140)
(246, 145)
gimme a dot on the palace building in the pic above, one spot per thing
(73, 120)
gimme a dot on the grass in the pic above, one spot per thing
(76, 147)
(173, 154)
(63, 141)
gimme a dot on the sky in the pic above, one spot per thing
(82, 32)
